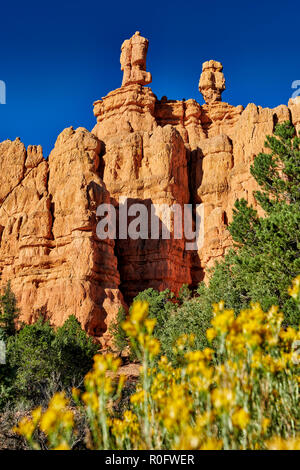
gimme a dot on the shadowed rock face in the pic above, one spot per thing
(147, 151)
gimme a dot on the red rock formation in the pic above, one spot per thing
(49, 249)
(133, 60)
(294, 106)
(212, 81)
(147, 164)
(147, 151)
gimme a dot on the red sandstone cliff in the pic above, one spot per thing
(147, 150)
(49, 249)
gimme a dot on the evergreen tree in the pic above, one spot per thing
(8, 312)
(73, 351)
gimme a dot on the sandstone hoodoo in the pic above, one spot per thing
(212, 81)
(141, 150)
(133, 60)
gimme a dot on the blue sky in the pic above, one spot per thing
(56, 58)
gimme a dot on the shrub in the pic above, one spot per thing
(73, 352)
(242, 395)
(160, 305)
(40, 361)
(8, 313)
(30, 356)
(187, 318)
(174, 317)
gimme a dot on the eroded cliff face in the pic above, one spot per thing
(141, 150)
(49, 249)
(210, 165)
(144, 163)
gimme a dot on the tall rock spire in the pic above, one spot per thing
(133, 61)
(212, 81)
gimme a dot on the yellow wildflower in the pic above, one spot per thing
(211, 444)
(295, 287)
(150, 324)
(222, 321)
(211, 334)
(48, 421)
(265, 424)
(62, 446)
(25, 428)
(222, 397)
(139, 311)
(138, 397)
(240, 418)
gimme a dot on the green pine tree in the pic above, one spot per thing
(73, 351)
(8, 312)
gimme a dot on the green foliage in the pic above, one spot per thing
(184, 319)
(8, 317)
(6, 385)
(40, 361)
(159, 305)
(73, 351)
(184, 293)
(8, 313)
(30, 356)
(159, 308)
(278, 172)
(174, 317)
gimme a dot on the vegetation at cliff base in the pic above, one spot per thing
(242, 393)
(39, 359)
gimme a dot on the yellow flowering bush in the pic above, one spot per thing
(56, 422)
(240, 393)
